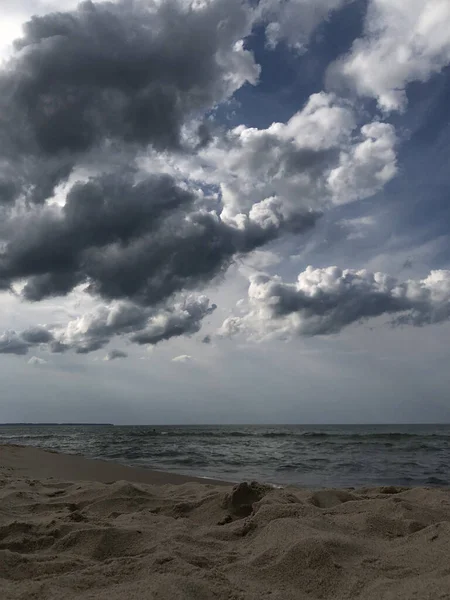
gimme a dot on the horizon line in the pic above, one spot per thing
(98, 424)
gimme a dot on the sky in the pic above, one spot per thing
(225, 211)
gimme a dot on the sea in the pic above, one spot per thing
(305, 456)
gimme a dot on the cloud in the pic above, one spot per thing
(324, 301)
(403, 42)
(114, 73)
(183, 358)
(94, 330)
(294, 21)
(16, 12)
(317, 159)
(94, 216)
(37, 335)
(162, 240)
(36, 361)
(113, 354)
(11, 343)
(183, 318)
(289, 160)
(367, 167)
(106, 156)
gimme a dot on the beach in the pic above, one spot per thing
(76, 528)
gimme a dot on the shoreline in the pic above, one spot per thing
(298, 456)
(37, 462)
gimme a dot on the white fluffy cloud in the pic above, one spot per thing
(324, 301)
(318, 158)
(404, 41)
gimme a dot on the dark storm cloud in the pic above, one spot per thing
(49, 244)
(131, 72)
(22, 175)
(143, 241)
(118, 70)
(186, 252)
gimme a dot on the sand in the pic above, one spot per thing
(72, 528)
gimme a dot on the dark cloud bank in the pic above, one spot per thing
(108, 81)
(142, 241)
(125, 73)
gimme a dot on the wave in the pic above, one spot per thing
(388, 436)
(266, 434)
(301, 466)
(37, 436)
(198, 433)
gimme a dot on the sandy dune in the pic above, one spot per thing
(64, 538)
